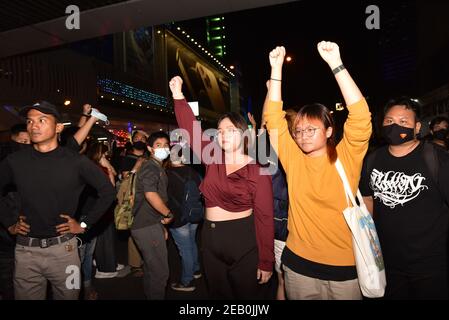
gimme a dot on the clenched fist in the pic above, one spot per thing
(87, 108)
(276, 57)
(175, 85)
(330, 52)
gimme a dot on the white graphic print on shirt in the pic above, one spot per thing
(394, 188)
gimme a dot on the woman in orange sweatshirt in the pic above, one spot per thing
(318, 258)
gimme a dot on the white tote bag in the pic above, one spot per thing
(367, 251)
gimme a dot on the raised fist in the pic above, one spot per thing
(175, 85)
(87, 108)
(330, 52)
(277, 56)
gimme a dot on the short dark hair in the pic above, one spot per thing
(407, 102)
(437, 120)
(18, 128)
(157, 135)
(322, 113)
(136, 132)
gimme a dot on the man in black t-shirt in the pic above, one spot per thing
(409, 205)
(49, 180)
(134, 158)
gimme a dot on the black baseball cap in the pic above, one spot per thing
(44, 107)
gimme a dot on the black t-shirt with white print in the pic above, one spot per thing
(409, 210)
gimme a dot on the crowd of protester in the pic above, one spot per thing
(65, 194)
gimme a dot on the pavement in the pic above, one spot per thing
(128, 287)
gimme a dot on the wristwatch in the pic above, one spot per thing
(84, 226)
(168, 216)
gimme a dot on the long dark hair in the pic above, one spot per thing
(96, 150)
(319, 112)
(239, 122)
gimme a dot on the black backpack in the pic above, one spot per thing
(192, 208)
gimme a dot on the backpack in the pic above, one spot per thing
(123, 212)
(192, 208)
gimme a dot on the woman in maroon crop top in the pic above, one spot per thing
(238, 232)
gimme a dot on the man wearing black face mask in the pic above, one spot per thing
(405, 187)
(439, 128)
(133, 160)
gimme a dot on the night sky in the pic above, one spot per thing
(300, 25)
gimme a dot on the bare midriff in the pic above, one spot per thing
(220, 214)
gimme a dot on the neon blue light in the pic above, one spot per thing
(123, 90)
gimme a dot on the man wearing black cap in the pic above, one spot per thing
(49, 180)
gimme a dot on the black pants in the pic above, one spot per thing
(405, 286)
(6, 273)
(230, 258)
(105, 254)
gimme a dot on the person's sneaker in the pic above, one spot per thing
(124, 272)
(105, 275)
(183, 287)
(119, 267)
(100, 116)
(197, 275)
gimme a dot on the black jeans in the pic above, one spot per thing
(431, 285)
(230, 258)
(6, 273)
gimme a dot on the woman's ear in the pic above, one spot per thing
(329, 132)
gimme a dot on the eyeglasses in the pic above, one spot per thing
(309, 132)
(226, 132)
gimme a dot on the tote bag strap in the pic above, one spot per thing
(344, 178)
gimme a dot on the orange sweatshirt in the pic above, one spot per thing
(317, 229)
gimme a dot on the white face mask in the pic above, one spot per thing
(161, 153)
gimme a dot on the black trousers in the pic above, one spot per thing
(420, 286)
(105, 254)
(230, 258)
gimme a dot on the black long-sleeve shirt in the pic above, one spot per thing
(49, 184)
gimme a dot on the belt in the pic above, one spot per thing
(45, 242)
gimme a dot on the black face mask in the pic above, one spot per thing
(396, 134)
(139, 145)
(440, 134)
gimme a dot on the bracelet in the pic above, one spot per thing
(338, 69)
(275, 79)
(168, 216)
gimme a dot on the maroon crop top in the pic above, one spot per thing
(243, 189)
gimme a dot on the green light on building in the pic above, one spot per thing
(215, 31)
